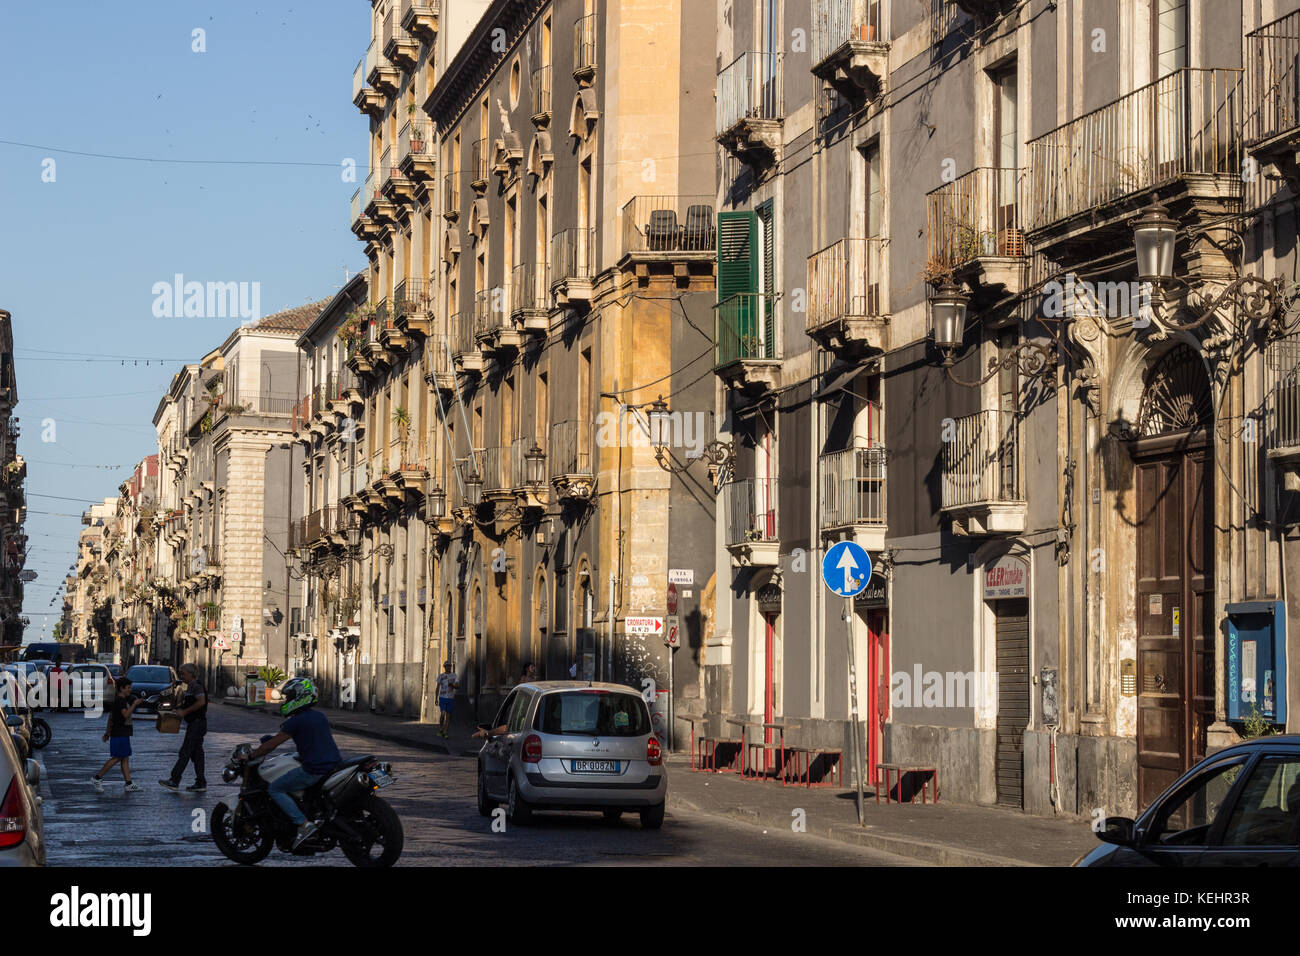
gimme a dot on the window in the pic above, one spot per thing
(1268, 812)
(1188, 815)
(875, 223)
(1170, 40)
(593, 713)
(507, 708)
(519, 712)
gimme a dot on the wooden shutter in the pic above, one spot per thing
(737, 259)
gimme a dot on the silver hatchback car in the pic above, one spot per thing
(573, 745)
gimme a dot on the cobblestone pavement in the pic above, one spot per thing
(434, 795)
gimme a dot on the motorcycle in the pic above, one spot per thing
(352, 818)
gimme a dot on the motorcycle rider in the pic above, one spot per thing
(318, 754)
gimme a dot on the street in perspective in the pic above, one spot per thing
(691, 433)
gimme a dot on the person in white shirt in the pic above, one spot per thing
(447, 685)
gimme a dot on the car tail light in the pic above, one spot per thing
(532, 749)
(13, 818)
(652, 752)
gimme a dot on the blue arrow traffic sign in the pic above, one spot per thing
(846, 569)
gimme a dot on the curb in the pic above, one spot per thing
(936, 854)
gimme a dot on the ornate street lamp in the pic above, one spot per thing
(535, 466)
(435, 504)
(1154, 234)
(354, 537)
(719, 455)
(948, 306)
(473, 488)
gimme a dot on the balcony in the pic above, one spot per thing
(751, 530)
(570, 461)
(745, 352)
(480, 159)
(573, 266)
(1282, 408)
(391, 337)
(584, 50)
(355, 480)
(669, 232)
(974, 232)
(853, 499)
(528, 299)
(413, 306)
(414, 158)
(400, 48)
(383, 76)
(380, 328)
(420, 18)
(1177, 138)
(393, 182)
(850, 46)
(751, 106)
(440, 368)
(366, 98)
(343, 393)
(985, 11)
(494, 330)
(1272, 133)
(408, 467)
(363, 227)
(542, 97)
(357, 358)
(379, 207)
(846, 309)
(464, 346)
(451, 197)
(982, 480)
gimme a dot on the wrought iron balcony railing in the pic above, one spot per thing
(750, 88)
(745, 328)
(973, 217)
(853, 487)
(571, 448)
(669, 224)
(838, 22)
(1188, 122)
(844, 281)
(1273, 79)
(981, 465)
(750, 507)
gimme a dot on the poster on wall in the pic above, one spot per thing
(1008, 578)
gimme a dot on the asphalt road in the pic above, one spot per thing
(434, 795)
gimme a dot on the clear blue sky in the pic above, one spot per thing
(79, 256)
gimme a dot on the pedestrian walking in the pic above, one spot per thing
(194, 709)
(448, 683)
(118, 735)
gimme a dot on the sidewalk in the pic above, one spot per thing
(944, 834)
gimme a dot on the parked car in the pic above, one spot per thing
(22, 840)
(90, 683)
(115, 670)
(570, 745)
(150, 680)
(1238, 807)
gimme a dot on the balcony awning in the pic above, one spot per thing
(837, 379)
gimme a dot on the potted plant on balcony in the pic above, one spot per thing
(402, 421)
(210, 612)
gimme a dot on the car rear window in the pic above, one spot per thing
(150, 675)
(593, 713)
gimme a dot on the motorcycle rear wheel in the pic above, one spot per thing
(249, 845)
(41, 734)
(383, 829)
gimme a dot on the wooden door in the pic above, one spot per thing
(1175, 666)
(1012, 636)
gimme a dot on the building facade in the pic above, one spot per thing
(13, 500)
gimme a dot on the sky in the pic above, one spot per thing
(264, 123)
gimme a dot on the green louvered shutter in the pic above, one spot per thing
(737, 274)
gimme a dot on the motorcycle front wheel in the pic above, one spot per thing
(41, 733)
(244, 841)
(382, 835)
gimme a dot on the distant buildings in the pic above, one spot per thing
(13, 500)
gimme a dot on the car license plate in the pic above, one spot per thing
(595, 766)
(379, 778)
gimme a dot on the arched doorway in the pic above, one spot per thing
(1174, 481)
